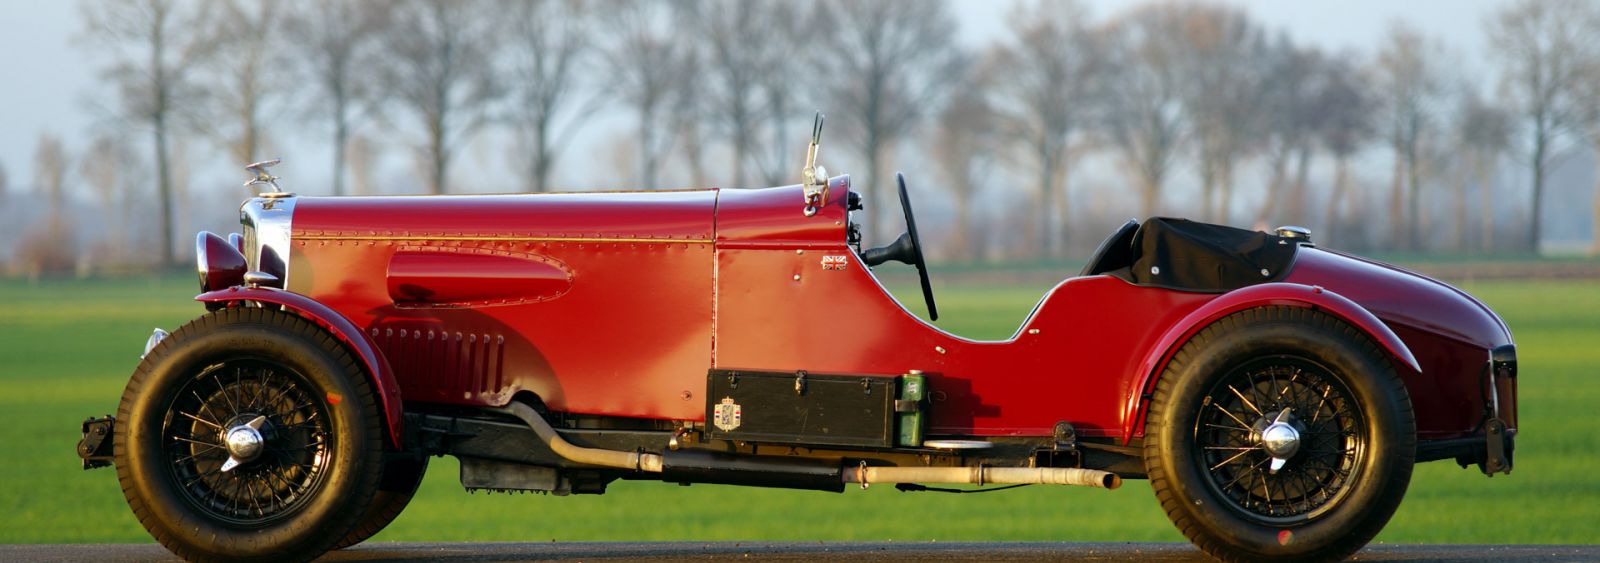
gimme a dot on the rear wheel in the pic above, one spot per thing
(1280, 432)
(249, 434)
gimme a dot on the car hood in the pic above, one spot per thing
(614, 216)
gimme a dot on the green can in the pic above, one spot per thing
(911, 400)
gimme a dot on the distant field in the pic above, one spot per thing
(66, 349)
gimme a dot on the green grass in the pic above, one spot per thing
(66, 349)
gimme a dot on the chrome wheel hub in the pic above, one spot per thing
(244, 443)
(1279, 438)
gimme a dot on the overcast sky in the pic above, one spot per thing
(50, 83)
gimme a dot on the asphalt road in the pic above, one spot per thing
(813, 551)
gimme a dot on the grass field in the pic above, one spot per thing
(66, 349)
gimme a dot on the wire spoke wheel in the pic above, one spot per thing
(1327, 423)
(1280, 433)
(275, 478)
(249, 434)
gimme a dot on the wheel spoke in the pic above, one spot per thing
(1230, 460)
(1246, 401)
(201, 420)
(1231, 415)
(197, 442)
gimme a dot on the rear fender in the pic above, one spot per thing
(1263, 295)
(377, 369)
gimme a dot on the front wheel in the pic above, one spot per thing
(249, 434)
(1280, 432)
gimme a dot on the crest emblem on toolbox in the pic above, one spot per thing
(727, 415)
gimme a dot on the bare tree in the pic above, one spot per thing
(1144, 116)
(1052, 64)
(1345, 125)
(691, 109)
(549, 48)
(3, 185)
(1482, 134)
(339, 42)
(105, 168)
(154, 49)
(646, 61)
(50, 166)
(964, 148)
(1408, 81)
(1223, 78)
(440, 70)
(784, 97)
(1291, 113)
(363, 157)
(1544, 45)
(50, 249)
(888, 62)
(244, 83)
(738, 54)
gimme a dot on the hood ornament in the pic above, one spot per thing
(814, 178)
(265, 179)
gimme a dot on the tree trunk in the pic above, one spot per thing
(1150, 193)
(1413, 200)
(1594, 245)
(876, 203)
(1225, 206)
(741, 148)
(1275, 184)
(963, 232)
(1487, 207)
(1463, 244)
(1538, 188)
(164, 184)
(1397, 223)
(1047, 195)
(647, 149)
(1297, 190)
(1341, 183)
(341, 137)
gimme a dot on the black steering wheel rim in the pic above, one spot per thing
(916, 248)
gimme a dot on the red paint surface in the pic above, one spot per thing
(663, 286)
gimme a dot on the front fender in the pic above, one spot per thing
(382, 379)
(1263, 295)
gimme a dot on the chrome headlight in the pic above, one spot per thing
(266, 224)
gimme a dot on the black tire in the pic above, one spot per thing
(320, 457)
(401, 478)
(1357, 444)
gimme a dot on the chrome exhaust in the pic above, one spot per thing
(865, 475)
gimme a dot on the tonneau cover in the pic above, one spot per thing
(1192, 256)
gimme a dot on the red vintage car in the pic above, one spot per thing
(1275, 394)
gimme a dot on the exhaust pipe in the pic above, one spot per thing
(648, 463)
(980, 475)
(816, 474)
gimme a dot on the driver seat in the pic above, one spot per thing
(1115, 252)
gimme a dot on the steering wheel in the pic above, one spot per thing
(907, 249)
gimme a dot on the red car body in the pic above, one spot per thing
(618, 304)
(1275, 394)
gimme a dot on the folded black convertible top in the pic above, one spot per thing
(1192, 256)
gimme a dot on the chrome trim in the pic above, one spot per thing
(150, 344)
(1293, 231)
(268, 224)
(200, 262)
(257, 279)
